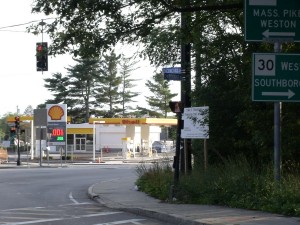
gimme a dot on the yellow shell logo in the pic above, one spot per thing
(56, 112)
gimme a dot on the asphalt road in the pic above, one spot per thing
(55, 196)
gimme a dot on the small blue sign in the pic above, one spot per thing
(172, 76)
(172, 70)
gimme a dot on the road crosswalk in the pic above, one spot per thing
(70, 212)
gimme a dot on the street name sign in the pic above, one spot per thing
(272, 20)
(276, 77)
(172, 73)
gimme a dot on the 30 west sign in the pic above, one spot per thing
(276, 77)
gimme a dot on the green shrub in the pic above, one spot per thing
(234, 183)
(155, 180)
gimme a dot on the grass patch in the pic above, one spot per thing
(155, 180)
(235, 183)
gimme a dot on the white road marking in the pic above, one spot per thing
(17, 209)
(35, 221)
(73, 199)
(111, 180)
(58, 219)
(134, 221)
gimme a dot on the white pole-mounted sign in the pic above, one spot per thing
(195, 123)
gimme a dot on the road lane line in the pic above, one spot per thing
(72, 199)
(66, 218)
(134, 221)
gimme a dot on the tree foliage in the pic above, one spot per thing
(221, 60)
(127, 66)
(160, 95)
(107, 92)
(76, 88)
(86, 28)
(92, 87)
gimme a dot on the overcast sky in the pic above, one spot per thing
(20, 84)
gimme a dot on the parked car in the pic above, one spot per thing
(159, 146)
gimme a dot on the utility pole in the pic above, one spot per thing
(186, 154)
(17, 126)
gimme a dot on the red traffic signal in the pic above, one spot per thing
(39, 48)
(176, 107)
(42, 56)
(12, 130)
(17, 122)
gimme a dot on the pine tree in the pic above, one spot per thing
(76, 88)
(82, 79)
(107, 93)
(127, 95)
(161, 95)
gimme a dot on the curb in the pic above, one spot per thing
(171, 219)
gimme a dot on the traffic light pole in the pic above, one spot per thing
(18, 147)
(17, 127)
(186, 152)
(177, 152)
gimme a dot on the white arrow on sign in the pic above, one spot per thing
(267, 34)
(289, 94)
(263, 2)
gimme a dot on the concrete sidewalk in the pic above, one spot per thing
(121, 194)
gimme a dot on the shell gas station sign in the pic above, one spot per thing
(56, 113)
(56, 124)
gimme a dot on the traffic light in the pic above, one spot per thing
(12, 131)
(17, 122)
(176, 107)
(42, 56)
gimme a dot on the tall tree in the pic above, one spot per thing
(127, 66)
(28, 111)
(82, 80)
(58, 85)
(76, 88)
(161, 95)
(107, 93)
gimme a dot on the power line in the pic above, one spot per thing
(22, 24)
(13, 31)
(17, 25)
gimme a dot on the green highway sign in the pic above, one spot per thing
(276, 77)
(272, 20)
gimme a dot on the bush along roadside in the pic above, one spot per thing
(235, 184)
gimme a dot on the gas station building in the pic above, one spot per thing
(132, 134)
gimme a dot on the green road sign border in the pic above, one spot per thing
(279, 85)
(272, 17)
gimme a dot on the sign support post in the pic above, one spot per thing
(277, 133)
(41, 152)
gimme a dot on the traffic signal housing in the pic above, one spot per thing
(42, 56)
(176, 107)
(17, 122)
(12, 131)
